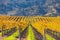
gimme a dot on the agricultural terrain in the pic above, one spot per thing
(29, 28)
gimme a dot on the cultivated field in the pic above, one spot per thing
(29, 28)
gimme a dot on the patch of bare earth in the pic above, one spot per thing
(1, 38)
(21, 39)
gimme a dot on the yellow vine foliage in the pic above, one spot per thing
(38, 22)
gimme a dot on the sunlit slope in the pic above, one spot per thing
(38, 22)
(39, 26)
(13, 21)
(48, 37)
(30, 33)
(51, 23)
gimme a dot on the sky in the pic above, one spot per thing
(30, 7)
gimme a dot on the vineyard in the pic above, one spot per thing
(29, 28)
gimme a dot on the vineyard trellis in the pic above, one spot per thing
(11, 24)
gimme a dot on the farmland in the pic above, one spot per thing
(29, 28)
